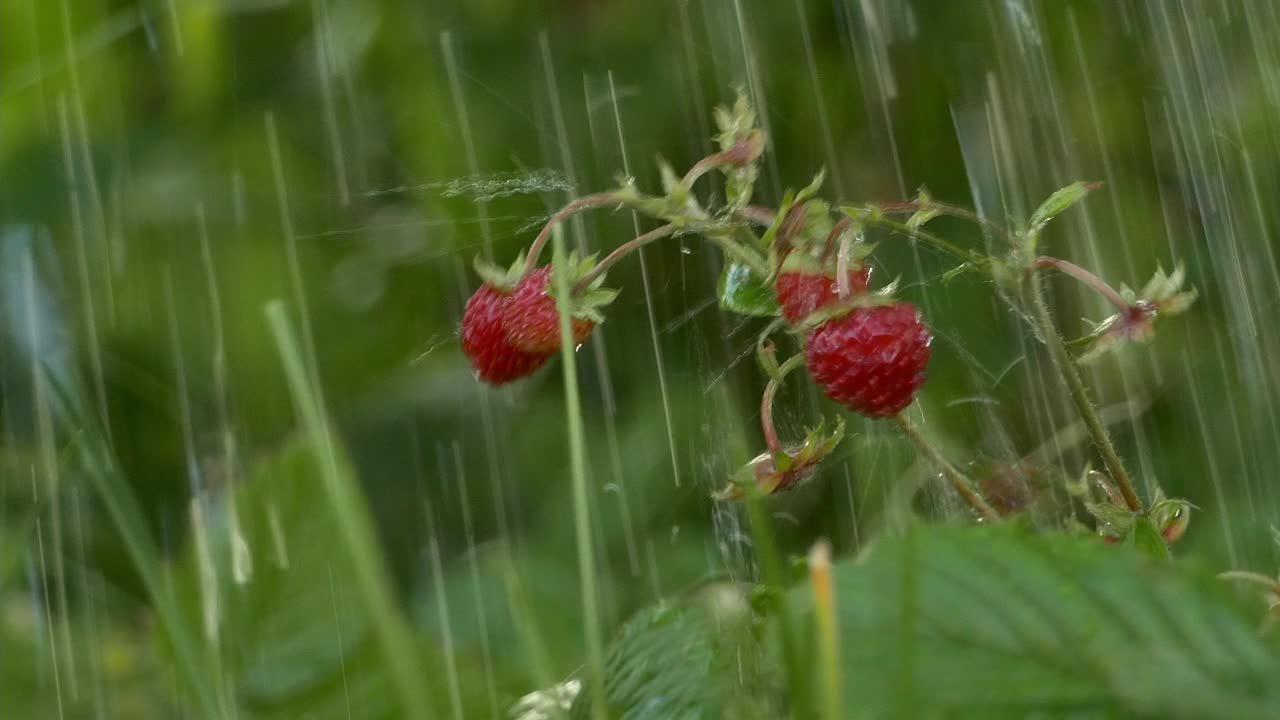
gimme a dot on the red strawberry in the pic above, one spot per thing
(872, 359)
(496, 361)
(531, 320)
(800, 293)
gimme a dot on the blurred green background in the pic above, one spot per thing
(172, 167)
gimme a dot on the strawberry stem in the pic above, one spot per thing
(1069, 369)
(842, 266)
(766, 402)
(954, 211)
(620, 252)
(583, 203)
(962, 484)
(1069, 268)
(757, 214)
(741, 153)
(929, 239)
(837, 230)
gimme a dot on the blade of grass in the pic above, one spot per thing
(775, 580)
(354, 524)
(125, 511)
(578, 472)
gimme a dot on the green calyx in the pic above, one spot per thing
(586, 301)
(501, 279)
(808, 264)
(883, 296)
(785, 469)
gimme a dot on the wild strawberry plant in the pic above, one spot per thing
(1049, 624)
(805, 264)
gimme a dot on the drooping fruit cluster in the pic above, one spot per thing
(871, 359)
(511, 325)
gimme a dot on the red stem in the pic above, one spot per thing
(582, 203)
(757, 214)
(766, 402)
(836, 231)
(1085, 277)
(620, 252)
(737, 155)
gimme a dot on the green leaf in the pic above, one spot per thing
(295, 639)
(1058, 202)
(688, 661)
(1146, 538)
(999, 622)
(742, 291)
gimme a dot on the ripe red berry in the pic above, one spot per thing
(531, 320)
(495, 359)
(871, 360)
(800, 293)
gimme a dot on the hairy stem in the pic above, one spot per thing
(775, 579)
(621, 252)
(736, 155)
(757, 214)
(954, 211)
(962, 484)
(1069, 369)
(577, 206)
(766, 402)
(929, 239)
(837, 231)
(1086, 277)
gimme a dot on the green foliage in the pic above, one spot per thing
(744, 292)
(988, 622)
(1000, 622)
(1060, 201)
(290, 630)
(690, 660)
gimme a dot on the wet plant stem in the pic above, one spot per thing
(1069, 369)
(962, 484)
(581, 502)
(737, 155)
(621, 252)
(1069, 268)
(837, 232)
(775, 581)
(766, 402)
(583, 203)
(929, 239)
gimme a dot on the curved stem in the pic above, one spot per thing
(736, 155)
(774, 571)
(962, 484)
(954, 211)
(1071, 375)
(842, 267)
(766, 402)
(1086, 277)
(929, 239)
(757, 214)
(837, 230)
(577, 206)
(621, 252)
